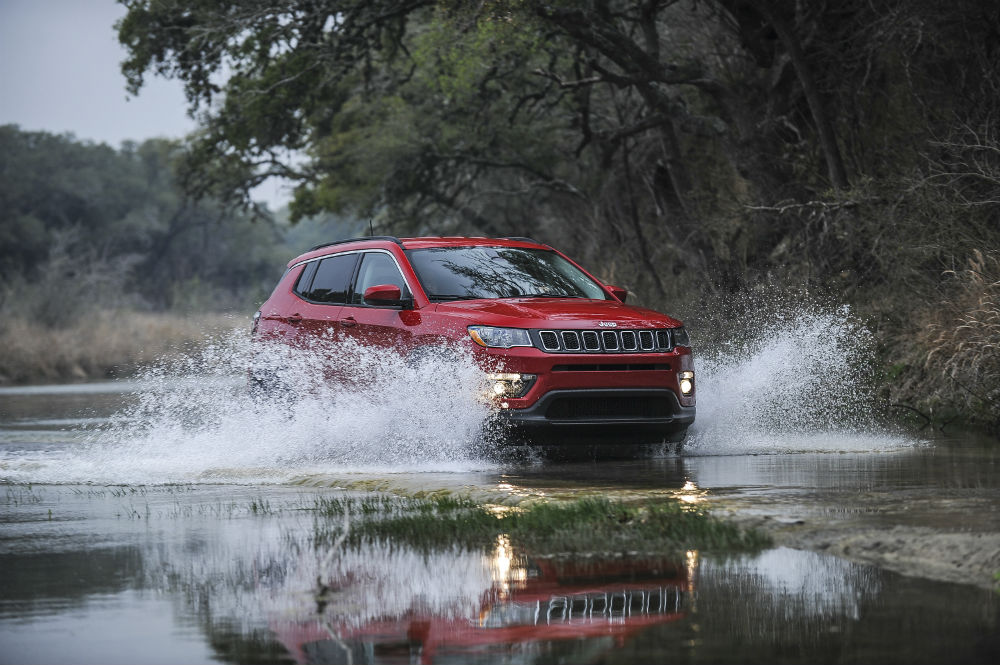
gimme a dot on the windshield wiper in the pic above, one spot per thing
(449, 296)
(453, 297)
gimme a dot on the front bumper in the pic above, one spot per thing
(625, 415)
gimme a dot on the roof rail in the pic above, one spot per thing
(522, 239)
(340, 242)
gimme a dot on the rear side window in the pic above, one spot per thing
(377, 269)
(306, 278)
(331, 279)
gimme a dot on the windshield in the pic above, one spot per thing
(466, 273)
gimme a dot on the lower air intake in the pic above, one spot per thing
(600, 408)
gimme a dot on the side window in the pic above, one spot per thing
(376, 268)
(306, 278)
(332, 280)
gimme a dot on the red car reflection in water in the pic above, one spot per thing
(545, 600)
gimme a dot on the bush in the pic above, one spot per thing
(964, 343)
(101, 344)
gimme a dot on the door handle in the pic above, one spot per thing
(349, 322)
(294, 318)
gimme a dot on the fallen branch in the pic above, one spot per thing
(782, 208)
(915, 410)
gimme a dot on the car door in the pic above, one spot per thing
(322, 291)
(386, 326)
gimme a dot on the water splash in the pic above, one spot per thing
(342, 408)
(803, 381)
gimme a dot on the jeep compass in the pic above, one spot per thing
(565, 358)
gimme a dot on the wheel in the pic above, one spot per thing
(264, 385)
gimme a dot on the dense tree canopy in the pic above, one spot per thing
(716, 139)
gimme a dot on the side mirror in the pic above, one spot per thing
(618, 292)
(383, 294)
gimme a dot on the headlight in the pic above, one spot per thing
(686, 383)
(680, 337)
(502, 338)
(509, 384)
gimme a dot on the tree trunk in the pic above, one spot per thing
(827, 137)
(633, 214)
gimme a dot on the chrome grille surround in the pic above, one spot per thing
(549, 340)
(645, 340)
(570, 340)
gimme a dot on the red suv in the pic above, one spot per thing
(565, 357)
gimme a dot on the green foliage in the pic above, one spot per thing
(85, 226)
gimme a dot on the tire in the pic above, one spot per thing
(264, 385)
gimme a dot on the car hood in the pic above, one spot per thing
(555, 313)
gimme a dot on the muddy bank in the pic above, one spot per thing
(965, 554)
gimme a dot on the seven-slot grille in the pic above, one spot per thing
(603, 341)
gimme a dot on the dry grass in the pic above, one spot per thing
(103, 345)
(964, 341)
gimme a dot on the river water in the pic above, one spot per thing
(171, 520)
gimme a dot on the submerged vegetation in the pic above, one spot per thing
(589, 525)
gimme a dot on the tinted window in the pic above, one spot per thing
(460, 273)
(377, 268)
(306, 278)
(332, 279)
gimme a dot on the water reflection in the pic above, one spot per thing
(244, 586)
(520, 601)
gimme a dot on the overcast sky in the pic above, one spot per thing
(60, 72)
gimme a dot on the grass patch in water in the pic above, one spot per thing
(17, 494)
(585, 525)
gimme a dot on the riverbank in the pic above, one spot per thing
(110, 344)
(963, 550)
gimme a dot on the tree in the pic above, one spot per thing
(85, 225)
(718, 139)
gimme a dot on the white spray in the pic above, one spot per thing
(802, 382)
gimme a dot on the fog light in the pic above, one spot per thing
(686, 383)
(510, 384)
